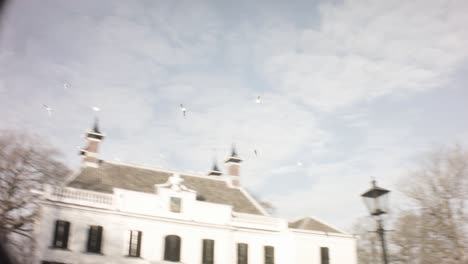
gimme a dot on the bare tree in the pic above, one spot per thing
(368, 244)
(433, 229)
(438, 190)
(25, 164)
(406, 239)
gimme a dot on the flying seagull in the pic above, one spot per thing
(183, 109)
(258, 100)
(96, 109)
(49, 109)
(299, 163)
(255, 152)
(66, 86)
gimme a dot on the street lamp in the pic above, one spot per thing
(376, 200)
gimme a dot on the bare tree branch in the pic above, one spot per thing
(26, 163)
(434, 229)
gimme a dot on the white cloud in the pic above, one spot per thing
(2, 86)
(363, 50)
(139, 62)
(335, 188)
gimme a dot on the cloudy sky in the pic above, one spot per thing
(350, 89)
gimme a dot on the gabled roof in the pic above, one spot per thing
(309, 223)
(113, 175)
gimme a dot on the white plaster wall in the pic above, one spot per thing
(342, 250)
(114, 237)
(290, 247)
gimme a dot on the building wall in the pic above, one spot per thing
(290, 246)
(341, 249)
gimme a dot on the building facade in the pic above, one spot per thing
(118, 213)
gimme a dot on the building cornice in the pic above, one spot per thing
(158, 218)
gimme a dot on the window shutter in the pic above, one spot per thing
(98, 239)
(269, 255)
(139, 243)
(242, 253)
(90, 238)
(172, 248)
(128, 243)
(208, 251)
(94, 239)
(324, 254)
(134, 243)
(65, 234)
(62, 230)
(177, 248)
(56, 234)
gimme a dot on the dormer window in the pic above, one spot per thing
(200, 197)
(175, 204)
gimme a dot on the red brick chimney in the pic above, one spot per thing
(90, 153)
(233, 167)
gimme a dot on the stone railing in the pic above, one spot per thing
(76, 196)
(148, 204)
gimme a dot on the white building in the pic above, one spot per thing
(117, 213)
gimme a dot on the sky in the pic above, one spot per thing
(350, 89)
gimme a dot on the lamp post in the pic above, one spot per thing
(376, 200)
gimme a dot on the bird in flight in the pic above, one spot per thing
(48, 108)
(258, 100)
(96, 109)
(255, 152)
(299, 163)
(183, 109)
(66, 86)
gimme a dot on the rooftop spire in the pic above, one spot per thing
(233, 150)
(96, 126)
(215, 167)
(215, 171)
(234, 157)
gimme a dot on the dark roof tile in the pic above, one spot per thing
(308, 223)
(111, 175)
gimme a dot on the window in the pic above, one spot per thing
(172, 248)
(269, 255)
(200, 197)
(175, 204)
(94, 239)
(62, 230)
(208, 251)
(324, 255)
(242, 253)
(134, 243)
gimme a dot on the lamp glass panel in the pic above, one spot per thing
(370, 204)
(382, 202)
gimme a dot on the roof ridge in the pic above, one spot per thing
(303, 222)
(314, 218)
(253, 200)
(143, 167)
(131, 177)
